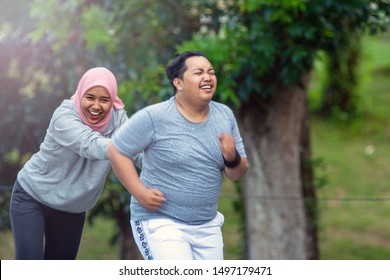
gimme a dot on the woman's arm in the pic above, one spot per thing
(69, 131)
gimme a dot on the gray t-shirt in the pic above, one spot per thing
(70, 168)
(181, 158)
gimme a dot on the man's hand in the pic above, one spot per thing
(151, 199)
(228, 146)
(228, 149)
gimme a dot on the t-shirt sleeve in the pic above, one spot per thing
(135, 135)
(237, 135)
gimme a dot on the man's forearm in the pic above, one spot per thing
(237, 172)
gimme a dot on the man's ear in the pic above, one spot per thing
(178, 84)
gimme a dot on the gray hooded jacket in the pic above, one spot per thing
(69, 170)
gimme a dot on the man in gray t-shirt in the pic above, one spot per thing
(188, 142)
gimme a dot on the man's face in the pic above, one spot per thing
(199, 81)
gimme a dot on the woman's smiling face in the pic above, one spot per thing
(96, 104)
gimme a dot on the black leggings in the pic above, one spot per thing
(41, 232)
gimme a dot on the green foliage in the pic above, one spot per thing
(99, 29)
(340, 89)
(275, 42)
(339, 98)
(49, 14)
(262, 44)
(145, 89)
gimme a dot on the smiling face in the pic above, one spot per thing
(96, 104)
(199, 81)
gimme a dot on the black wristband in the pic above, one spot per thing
(234, 163)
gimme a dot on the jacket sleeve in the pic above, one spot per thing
(69, 131)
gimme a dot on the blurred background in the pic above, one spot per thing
(308, 82)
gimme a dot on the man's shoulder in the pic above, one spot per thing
(159, 108)
(221, 107)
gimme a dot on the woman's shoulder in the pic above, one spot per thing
(119, 116)
(66, 108)
(65, 116)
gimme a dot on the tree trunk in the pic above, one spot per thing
(276, 221)
(128, 248)
(309, 188)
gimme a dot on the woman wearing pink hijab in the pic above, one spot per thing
(66, 176)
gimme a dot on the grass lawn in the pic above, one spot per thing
(355, 202)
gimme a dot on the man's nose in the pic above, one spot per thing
(207, 77)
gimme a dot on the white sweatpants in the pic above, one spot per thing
(166, 239)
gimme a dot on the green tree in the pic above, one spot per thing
(339, 97)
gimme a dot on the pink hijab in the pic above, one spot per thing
(103, 77)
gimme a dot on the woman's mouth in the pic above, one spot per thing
(94, 115)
